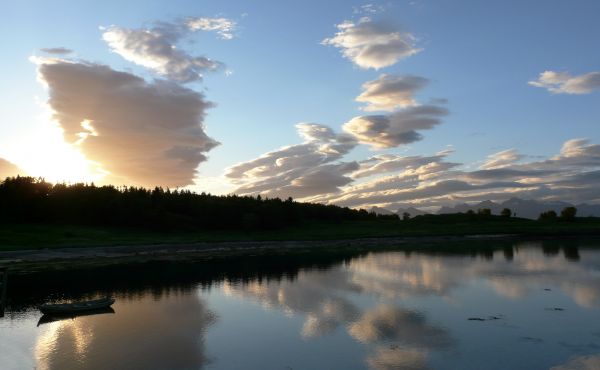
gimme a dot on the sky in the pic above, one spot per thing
(394, 103)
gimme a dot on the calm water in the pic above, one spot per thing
(537, 306)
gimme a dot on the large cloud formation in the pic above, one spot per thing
(373, 44)
(156, 48)
(300, 170)
(389, 92)
(396, 181)
(565, 83)
(388, 131)
(144, 133)
(8, 169)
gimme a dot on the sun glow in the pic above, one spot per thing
(44, 153)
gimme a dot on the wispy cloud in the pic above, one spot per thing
(56, 51)
(223, 26)
(565, 83)
(501, 159)
(373, 44)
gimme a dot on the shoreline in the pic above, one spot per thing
(182, 251)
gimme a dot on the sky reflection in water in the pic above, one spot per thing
(532, 305)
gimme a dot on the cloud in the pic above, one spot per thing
(222, 26)
(372, 44)
(394, 181)
(57, 51)
(398, 358)
(156, 48)
(391, 163)
(565, 83)
(298, 170)
(143, 133)
(388, 323)
(8, 169)
(501, 159)
(388, 131)
(389, 92)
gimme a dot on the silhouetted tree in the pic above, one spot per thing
(484, 212)
(547, 216)
(405, 216)
(27, 199)
(506, 212)
(568, 213)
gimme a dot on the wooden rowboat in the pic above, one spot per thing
(75, 307)
(52, 317)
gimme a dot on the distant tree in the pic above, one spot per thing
(484, 212)
(568, 213)
(470, 212)
(506, 212)
(547, 216)
(405, 216)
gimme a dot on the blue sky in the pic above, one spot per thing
(479, 56)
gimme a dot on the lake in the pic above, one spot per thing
(504, 305)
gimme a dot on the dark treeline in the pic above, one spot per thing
(28, 200)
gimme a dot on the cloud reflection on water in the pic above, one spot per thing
(399, 338)
(143, 334)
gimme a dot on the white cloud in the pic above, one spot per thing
(156, 48)
(388, 131)
(501, 159)
(395, 163)
(299, 170)
(222, 26)
(373, 44)
(395, 181)
(565, 83)
(389, 92)
(388, 323)
(142, 133)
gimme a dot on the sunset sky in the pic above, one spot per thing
(392, 103)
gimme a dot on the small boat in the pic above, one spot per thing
(52, 317)
(67, 308)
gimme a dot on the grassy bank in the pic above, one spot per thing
(36, 236)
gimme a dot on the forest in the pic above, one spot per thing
(34, 200)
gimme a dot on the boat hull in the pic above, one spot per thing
(67, 308)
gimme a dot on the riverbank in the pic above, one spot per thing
(52, 236)
(35, 260)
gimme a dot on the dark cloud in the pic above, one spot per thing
(57, 51)
(145, 133)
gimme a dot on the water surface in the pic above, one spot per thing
(525, 305)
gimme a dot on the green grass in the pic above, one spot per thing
(34, 236)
